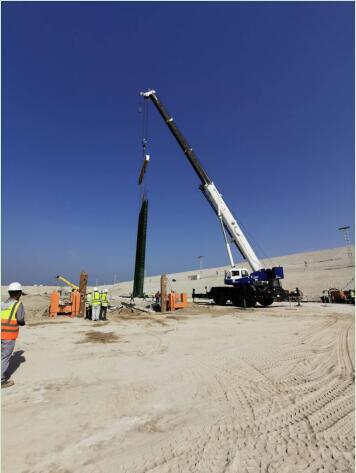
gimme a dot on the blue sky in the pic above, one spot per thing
(264, 93)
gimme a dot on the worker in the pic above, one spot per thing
(298, 296)
(95, 304)
(88, 305)
(104, 304)
(12, 316)
(157, 297)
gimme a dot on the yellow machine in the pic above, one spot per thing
(73, 286)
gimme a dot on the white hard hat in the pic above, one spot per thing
(15, 286)
(105, 290)
(95, 288)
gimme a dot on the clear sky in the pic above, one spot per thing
(263, 92)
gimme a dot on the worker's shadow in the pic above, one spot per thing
(15, 361)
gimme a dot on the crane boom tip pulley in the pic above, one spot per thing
(147, 93)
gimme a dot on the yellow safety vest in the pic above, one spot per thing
(88, 299)
(96, 298)
(104, 299)
(9, 325)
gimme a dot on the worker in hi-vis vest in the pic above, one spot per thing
(12, 316)
(104, 304)
(88, 305)
(95, 304)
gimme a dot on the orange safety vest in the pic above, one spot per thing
(9, 325)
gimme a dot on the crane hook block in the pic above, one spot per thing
(143, 169)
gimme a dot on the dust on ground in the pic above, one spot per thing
(99, 337)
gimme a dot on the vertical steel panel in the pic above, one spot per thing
(140, 250)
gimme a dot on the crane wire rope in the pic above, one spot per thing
(348, 283)
(251, 238)
(142, 192)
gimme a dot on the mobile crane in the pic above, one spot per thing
(241, 288)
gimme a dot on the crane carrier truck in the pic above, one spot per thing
(242, 288)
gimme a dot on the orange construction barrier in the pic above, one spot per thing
(54, 307)
(177, 301)
(75, 299)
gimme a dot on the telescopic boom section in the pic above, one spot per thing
(208, 188)
(187, 150)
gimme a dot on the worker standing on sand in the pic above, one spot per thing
(12, 316)
(95, 304)
(88, 305)
(104, 304)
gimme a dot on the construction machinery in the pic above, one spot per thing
(70, 303)
(63, 279)
(338, 296)
(293, 296)
(242, 288)
(171, 301)
(176, 301)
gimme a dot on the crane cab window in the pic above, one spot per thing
(244, 273)
(235, 273)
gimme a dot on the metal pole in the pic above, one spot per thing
(345, 231)
(200, 259)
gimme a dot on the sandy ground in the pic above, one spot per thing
(207, 389)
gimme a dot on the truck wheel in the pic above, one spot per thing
(240, 302)
(220, 300)
(251, 303)
(237, 302)
(266, 302)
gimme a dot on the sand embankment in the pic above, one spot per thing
(312, 272)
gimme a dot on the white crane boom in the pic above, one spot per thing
(231, 225)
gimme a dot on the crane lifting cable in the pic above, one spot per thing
(146, 157)
(138, 287)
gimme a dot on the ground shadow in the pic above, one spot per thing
(15, 361)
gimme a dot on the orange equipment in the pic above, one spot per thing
(58, 308)
(75, 306)
(177, 301)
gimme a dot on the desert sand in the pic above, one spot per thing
(204, 389)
